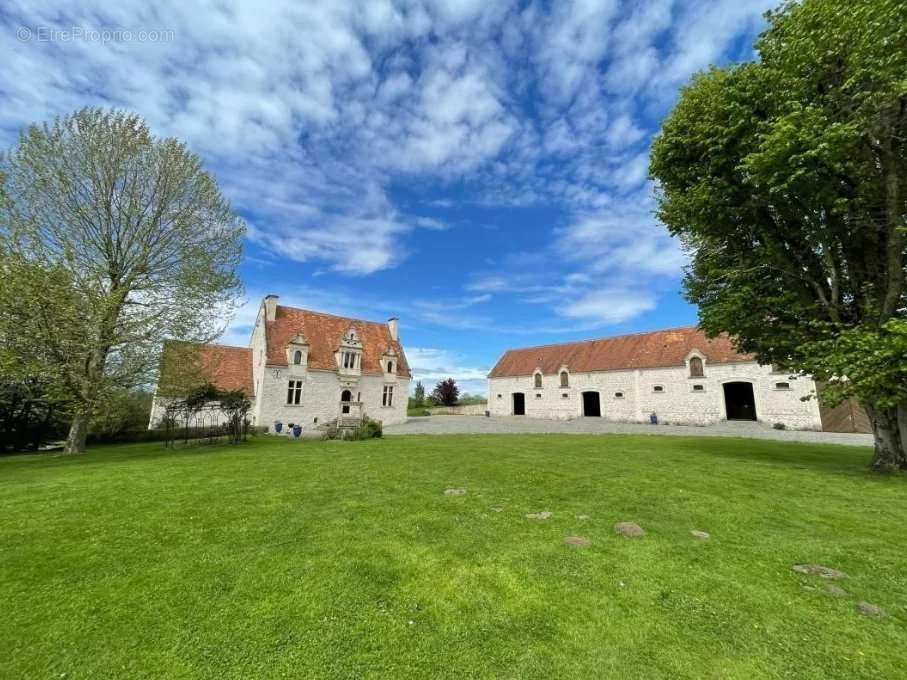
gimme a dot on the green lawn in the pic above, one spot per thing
(345, 559)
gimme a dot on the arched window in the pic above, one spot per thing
(297, 357)
(390, 366)
(538, 381)
(696, 368)
(565, 379)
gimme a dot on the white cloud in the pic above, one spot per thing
(309, 114)
(610, 306)
(433, 365)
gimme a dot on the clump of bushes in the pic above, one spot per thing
(779, 426)
(368, 429)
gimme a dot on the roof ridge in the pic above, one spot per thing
(607, 337)
(207, 344)
(336, 316)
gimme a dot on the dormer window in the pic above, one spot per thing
(351, 337)
(565, 379)
(696, 368)
(538, 381)
(297, 353)
(389, 361)
(349, 354)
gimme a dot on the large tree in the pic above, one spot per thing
(446, 392)
(118, 240)
(786, 179)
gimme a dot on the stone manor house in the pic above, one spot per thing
(308, 368)
(679, 375)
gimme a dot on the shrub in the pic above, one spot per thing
(779, 426)
(368, 429)
(161, 434)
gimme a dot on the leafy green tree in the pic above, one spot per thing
(786, 179)
(33, 403)
(141, 243)
(419, 396)
(125, 411)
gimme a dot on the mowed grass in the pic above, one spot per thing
(345, 559)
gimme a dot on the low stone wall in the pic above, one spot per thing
(464, 410)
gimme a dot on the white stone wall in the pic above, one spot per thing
(259, 359)
(678, 403)
(208, 416)
(321, 397)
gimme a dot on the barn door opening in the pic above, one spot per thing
(739, 401)
(591, 405)
(519, 404)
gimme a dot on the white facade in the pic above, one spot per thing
(633, 395)
(294, 392)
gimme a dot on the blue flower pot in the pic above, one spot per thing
(297, 431)
(278, 427)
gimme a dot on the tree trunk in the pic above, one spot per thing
(902, 429)
(889, 454)
(78, 433)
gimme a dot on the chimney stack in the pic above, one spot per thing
(270, 307)
(392, 324)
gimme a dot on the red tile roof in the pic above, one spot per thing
(324, 332)
(229, 368)
(654, 349)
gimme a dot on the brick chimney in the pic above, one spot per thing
(392, 324)
(270, 307)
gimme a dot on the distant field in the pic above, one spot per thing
(283, 558)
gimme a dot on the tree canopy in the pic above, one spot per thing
(117, 240)
(446, 392)
(786, 179)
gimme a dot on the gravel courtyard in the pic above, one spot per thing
(482, 425)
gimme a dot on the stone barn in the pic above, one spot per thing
(679, 375)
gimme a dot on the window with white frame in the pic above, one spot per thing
(696, 368)
(538, 381)
(350, 359)
(297, 357)
(565, 379)
(387, 399)
(294, 392)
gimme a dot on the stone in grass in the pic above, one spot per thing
(818, 570)
(539, 515)
(629, 529)
(704, 535)
(828, 589)
(834, 591)
(497, 509)
(582, 517)
(867, 609)
(578, 541)
(454, 492)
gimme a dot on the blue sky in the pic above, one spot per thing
(476, 168)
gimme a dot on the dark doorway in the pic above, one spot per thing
(346, 395)
(591, 405)
(739, 401)
(519, 404)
